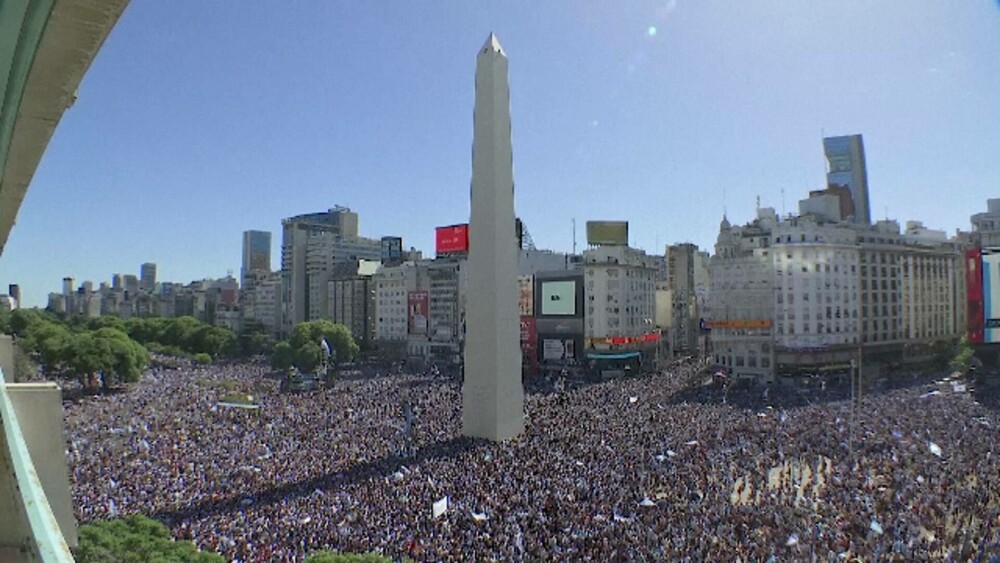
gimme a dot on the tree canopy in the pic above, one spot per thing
(342, 343)
(136, 539)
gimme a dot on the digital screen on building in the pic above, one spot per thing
(613, 233)
(449, 240)
(559, 298)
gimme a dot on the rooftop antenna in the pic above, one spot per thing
(724, 213)
(758, 202)
(782, 201)
(574, 236)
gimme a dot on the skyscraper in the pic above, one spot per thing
(846, 168)
(256, 254)
(147, 276)
(492, 393)
(310, 245)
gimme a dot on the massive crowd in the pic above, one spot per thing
(641, 468)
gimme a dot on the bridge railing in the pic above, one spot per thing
(29, 529)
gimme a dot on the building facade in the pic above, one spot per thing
(619, 290)
(805, 293)
(256, 255)
(147, 276)
(847, 169)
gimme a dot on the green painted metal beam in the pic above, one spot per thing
(22, 25)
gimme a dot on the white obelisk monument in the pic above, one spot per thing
(492, 395)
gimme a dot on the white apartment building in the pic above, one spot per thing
(742, 298)
(619, 295)
(393, 285)
(261, 302)
(808, 291)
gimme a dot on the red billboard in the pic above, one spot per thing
(974, 279)
(449, 240)
(418, 309)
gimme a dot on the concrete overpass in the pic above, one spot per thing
(46, 46)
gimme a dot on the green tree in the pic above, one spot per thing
(308, 357)
(283, 356)
(136, 539)
(128, 358)
(108, 352)
(962, 356)
(24, 368)
(88, 356)
(98, 323)
(202, 358)
(22, 319)
(342, 344)
(51, 341)
(253, 339)
(180, 332)
(331, 557)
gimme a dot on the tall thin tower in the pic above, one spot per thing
(492, 393)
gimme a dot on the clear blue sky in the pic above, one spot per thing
(199, 120)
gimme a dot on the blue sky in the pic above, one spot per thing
(198, 121)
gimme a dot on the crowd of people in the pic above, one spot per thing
(638, 468)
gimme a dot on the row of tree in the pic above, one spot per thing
(85, 354)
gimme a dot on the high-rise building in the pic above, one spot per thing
(15, 293)
(117, 282)
(392, 250)
(310, 244)
(846, 160)
(131, 284)
(256, 254)
(147, 276)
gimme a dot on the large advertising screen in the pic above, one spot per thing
(559, 298)
(607, 233)
(991, 298)
(417, 306)
(449, 240)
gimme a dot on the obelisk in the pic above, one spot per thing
(492, 394)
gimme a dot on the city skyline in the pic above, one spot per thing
(666, 126)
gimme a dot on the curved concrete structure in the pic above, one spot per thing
(46, 46)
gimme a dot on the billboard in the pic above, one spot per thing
(558, 298)
(974, 278)
(452, 239)
(526, 295)
(417, 309)
(558, 349)
(991, 298)
(529, 342)
(610, 233)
